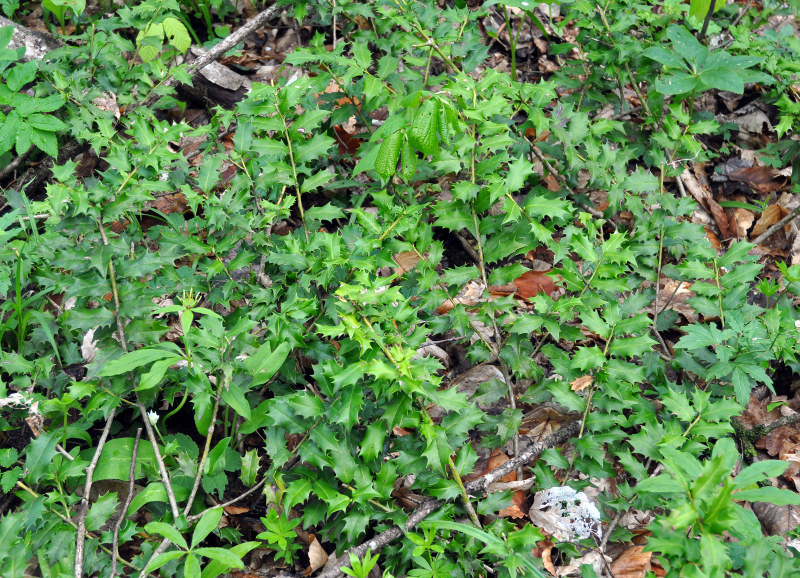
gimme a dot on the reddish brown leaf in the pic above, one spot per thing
(533, 282)
(760, 179)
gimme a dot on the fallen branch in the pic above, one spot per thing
(430, 506)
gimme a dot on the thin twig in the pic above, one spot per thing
(224, 382)
(162, 469)
(87, 488)
(430, 506)
(126, 505)
(238, 498)
(776, 227)
(707, 20)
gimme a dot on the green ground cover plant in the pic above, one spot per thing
(262, 346)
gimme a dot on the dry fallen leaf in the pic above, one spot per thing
(581, 383)
(769, 217)
(405, 261)
(760, 179)
(632, 563)
(317, 556)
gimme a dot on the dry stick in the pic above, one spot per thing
(430, 506)
(162, 469)
(10, 167)
(776, 227)
(238, 498)
(87, 488)
(128, 500)
(217, 51)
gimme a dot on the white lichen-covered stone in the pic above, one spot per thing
(566, 514)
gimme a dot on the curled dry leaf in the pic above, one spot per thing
(741, 221)
(317, 556)
(89, 345)
(769, 217)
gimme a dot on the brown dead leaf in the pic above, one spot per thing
(632, 563)
(532, 282)
(108, 103)
(741, 221)
(720, 218)
(769, 217)
(547, 558)
(760, 179)
(713, 239)
(514, 510)
(236, 510)
(496, 460)
(470, 294)
(171, 203)
(552, 183)
(317, 556)
(581, 383)
(406, 261)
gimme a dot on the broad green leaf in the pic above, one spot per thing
(699, 8)
(39, 456)
(769, 494)
(424, 128)
(221, 555)
(388, 153)
(661, 484)
(758, 472)
(676, 83)
(165, 558)
(136, 359)
(408, 160)
(191, 567)
(250, 465)
(46, 122)
(207, 524)
(115, 460)
(263, 364)
(176, 34)
(101, 511)
(234, 397)
(168, 531)
(155, 492)
(215, 567)
(155, 374)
